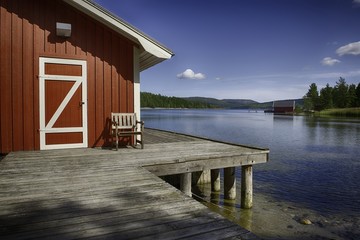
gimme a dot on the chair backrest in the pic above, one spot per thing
(123, 120)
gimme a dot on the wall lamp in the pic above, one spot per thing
(63, 29)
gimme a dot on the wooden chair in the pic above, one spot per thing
(125, 125)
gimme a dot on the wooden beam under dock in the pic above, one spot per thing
(246, 187)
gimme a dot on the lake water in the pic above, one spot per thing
(314, 162)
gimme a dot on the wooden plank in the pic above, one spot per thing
(39, 49)
(81, 38)
(5, 76)
(115, 72)
(91, 84)
(87, 202)
(87, 222)
(1, 33)
(58, 205)
(60, 15)
(205, 164)
(194, 228)
(45, 188)
(1, 40)
(99, 85)
(229, 232)
(129, 75)
(122, 79)
(70, 16)
(107, 85)
(50, 29)
(28, 77)
(16, 76)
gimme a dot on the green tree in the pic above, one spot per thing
(340, 94)
(358, 95)
(311, 99)
(326, 97)
(351, 96)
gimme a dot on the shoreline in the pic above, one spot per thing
(272, 219)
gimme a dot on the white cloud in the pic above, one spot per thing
(356, 1)
(189, 74)
(328, 61)
(349, 49)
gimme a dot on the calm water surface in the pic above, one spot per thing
(314, 162)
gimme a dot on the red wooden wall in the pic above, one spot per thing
(27, 32)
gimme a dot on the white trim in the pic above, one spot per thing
(48, 128)
(137, 99)
(136, 83)
(61, 78)
(63, 130)
(63, 146)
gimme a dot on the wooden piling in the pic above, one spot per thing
(201, 177)
(229, 183)
(246, 187)
(215, 180)
(185, 183)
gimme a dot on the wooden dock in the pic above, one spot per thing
(106, 194)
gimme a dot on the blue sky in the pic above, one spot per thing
(250, 49)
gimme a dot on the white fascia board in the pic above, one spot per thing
(102, 15)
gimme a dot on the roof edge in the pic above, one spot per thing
(111, 20)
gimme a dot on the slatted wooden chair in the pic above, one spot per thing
(125, 125)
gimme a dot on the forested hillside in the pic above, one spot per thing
(151, 100)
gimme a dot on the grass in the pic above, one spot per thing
(340, 112)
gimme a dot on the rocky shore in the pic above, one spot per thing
(272, 219)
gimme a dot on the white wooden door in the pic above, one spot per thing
(63, 103)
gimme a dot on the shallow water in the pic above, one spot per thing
(314, 163)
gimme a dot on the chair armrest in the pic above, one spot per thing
(141, 125)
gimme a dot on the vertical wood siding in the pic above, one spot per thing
(28, 31)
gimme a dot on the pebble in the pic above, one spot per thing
(305, 221)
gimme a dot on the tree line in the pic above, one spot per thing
(151, 100)
(342, 95)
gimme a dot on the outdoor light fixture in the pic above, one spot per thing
(63, 29)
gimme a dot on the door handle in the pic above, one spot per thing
(81, 103)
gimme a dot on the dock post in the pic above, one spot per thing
(229, 183)
(246, 187)
(185, 183)
(215, 180)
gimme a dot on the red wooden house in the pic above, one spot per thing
(65, 65)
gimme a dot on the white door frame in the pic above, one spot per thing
(78, 81)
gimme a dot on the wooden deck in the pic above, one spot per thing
(104, 194)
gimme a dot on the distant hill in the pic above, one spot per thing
(224, 103)
(239, 103)
(156, 100)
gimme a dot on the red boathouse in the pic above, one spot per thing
(65, 65)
